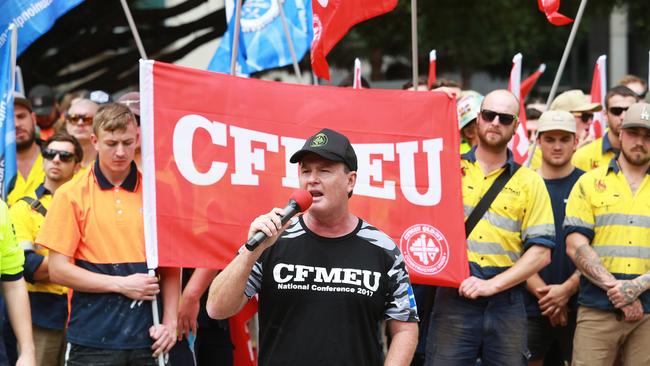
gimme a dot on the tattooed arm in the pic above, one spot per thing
(587, 261)
(623, 292)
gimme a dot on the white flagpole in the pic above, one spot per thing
(13, 53)
(356, 82)
(148, 178)
(134, 29)
(285, 27)
(414, 42)
(235, 38)
(567, 51)
(560, 70)
(20, 84)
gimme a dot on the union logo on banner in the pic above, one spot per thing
(425, 249)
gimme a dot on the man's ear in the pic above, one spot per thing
(94, 140)
(352, 180)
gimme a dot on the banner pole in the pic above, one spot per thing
(414, 42)
(20, 84)
(285, 27)
(560, 70)
(134, 29)
(235, 38)
(13, 52)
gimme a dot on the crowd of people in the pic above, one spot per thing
(558, 251)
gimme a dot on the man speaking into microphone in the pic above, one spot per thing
(325, 279)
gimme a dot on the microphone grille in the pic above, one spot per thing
(302, 198)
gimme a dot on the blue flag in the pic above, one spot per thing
(7, 128)
(263, 43)
(32, 18)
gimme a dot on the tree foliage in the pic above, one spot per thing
(469, 36)
(472, 36)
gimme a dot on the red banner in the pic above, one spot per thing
(216, 154)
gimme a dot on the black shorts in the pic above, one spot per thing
(542, 337)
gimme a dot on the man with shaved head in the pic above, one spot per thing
(510, 241)
(79, 123)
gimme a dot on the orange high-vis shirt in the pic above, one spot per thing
(101, 227)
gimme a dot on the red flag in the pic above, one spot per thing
(528, 84)
(244, 354)
(332, 19)
(598, 91)
(217, 154)
(550, 8)
(519, 143)
(432, 68)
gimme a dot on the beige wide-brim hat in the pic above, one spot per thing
(574, 101)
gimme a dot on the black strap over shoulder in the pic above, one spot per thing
(36, 205)
(485, 202)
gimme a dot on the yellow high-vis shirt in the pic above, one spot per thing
(27, 224)
(11, 254)
(26, 186)
(616, 221)
(595, 154)
(519, 217)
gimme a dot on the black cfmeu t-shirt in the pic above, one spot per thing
(321, 299)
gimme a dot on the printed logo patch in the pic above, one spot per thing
(425, 249)
(319, 140)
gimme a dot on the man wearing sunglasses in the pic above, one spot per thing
(97, 219)
(485, 318)
(49, 302)
(28, 154)
(636, 84)
(607, 224)
(604, 149)
(79, 123)
(582, 108)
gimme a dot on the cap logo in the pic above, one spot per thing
(557, 118)
(645, 115)
(319, 140)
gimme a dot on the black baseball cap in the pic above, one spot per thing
(42, 98)
(330, 145)
(19, 98)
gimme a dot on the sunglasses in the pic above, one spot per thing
(74, 119)
(617, 111)
(585, 116)
(504, 118)
(64, 156)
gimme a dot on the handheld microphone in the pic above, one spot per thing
(299, 201)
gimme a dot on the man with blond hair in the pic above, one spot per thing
(96, 220)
